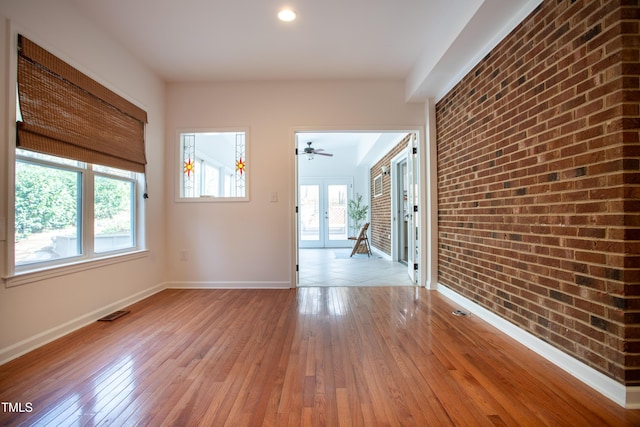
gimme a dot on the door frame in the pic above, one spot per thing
(425, 217)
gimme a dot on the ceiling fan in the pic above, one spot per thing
(310, 152)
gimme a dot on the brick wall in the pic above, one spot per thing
(381, 206)
(538, 182)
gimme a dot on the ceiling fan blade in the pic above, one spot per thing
(311, 151)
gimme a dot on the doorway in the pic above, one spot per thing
(324, 182)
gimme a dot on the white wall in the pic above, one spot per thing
(34, 313)
(340, 165)
(251, 243)
(248, 244)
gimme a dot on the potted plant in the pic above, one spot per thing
(357, 213)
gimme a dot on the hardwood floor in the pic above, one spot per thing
(312, 356)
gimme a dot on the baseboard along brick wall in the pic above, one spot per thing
(539, 182)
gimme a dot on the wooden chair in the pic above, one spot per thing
(361, 239)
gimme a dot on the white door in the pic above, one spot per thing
(323, 219)
(413, 219)
(400, 206)
(404, 206)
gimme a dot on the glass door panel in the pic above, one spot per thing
(310, 215)
(323, 218)
(338, 224)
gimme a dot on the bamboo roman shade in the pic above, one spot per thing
(65, 113)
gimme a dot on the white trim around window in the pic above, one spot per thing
(88, 258)
(235, 166)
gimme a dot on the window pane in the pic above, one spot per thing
(309, 212)
(113, 214)
(113, 171)
(47, 213)
(46, 157)
(337, 212)
(211, 180)
(213, 164)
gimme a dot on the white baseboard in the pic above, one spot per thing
(381, 254)
(16, 350)
(229, 285)
(627, 397)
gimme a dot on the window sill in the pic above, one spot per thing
(23, 278)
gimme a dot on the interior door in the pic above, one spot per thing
(401, 211)
(412, 209)
(336, 194)
(323, 219)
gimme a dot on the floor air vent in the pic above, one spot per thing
(113, 316)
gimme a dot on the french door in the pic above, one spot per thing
(323, 219)
(405, 213)
(413, 219)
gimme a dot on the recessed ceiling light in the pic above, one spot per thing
(287, 15)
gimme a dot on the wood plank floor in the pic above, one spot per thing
(313, 356)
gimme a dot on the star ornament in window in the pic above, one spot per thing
(240, 166)
(189, 167)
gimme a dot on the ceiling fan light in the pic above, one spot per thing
(286, 15)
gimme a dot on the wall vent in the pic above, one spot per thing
(113, 316)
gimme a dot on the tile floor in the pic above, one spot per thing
(334, 267)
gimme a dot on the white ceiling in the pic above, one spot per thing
(426, 42)
(363, 147)
(430, 44)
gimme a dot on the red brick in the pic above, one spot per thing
(556, 210)
(380, 211)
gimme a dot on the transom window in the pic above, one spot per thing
(213, 166)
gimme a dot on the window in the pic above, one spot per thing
(48, 208)
(114, 196)
(213, 166)
(377, 186)
(79, 166)
(54, 220)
